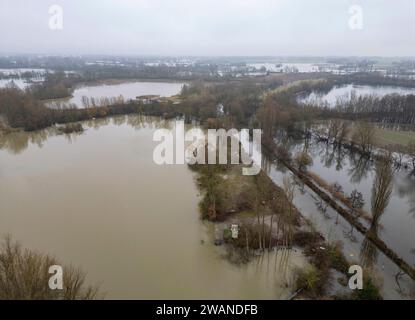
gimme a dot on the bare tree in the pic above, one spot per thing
(382, 186)
(356, 203)
(288, 217)
(381, 192)
(303, 160)
(24, 275)
(411, 151)
(364, 135)
(267, 115)
(344, 132)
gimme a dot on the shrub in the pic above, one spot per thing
(302, 159)
(369, 291)
(337, 259)
(307, 238)
(308, 279)
(24, 274)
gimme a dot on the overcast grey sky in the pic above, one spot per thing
(209, 27)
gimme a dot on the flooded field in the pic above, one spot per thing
(395, 224)
(286, 67)
(98, 201)
(20, 83)
(343, 93)
(128, 90)
(22, 77)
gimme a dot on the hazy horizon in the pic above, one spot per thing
(214, 56)
(244, 28)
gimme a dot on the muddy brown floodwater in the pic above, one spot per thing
(128, 90)
(98, 201)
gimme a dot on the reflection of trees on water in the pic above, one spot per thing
(17, 142)
(306, 144)
(266, 164)
(282, 137)
(136, 121)
(381, 192)
(359, 167)
(277, 263)
(97, 123)
(14, 142)
(71, 137)
(333, 155)
(405, 188)
(368, 251)
(329, 153)
(321, 205)
(147, 122)
(119, 120)
(327, 157)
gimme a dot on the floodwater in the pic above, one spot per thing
(128, 90)
(286, 67)
(19, 71)
(20, 83)
(343, 93)
(354, 172)
(98, 201)
(396, 224)
(18, 77)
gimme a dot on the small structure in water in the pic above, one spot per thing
(235, 231)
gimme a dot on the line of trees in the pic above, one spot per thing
(375, 79)
(389, 109)
(55, 86)
(22, 110)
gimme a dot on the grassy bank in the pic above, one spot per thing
(385, 137)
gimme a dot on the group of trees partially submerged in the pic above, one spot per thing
(375, 79)
(389, 109)
(23, 110)
(250, 104)
(240, 100)
(56, 85)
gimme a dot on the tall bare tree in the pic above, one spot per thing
(364, 135)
